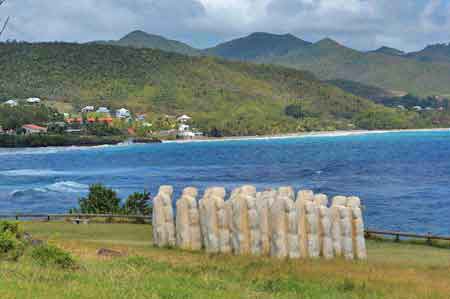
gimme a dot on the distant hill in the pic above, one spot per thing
(257, 46)
(141, 39)
(385, 68)
(235, 98)
(439, 53)
(363, 90)
(388, 51)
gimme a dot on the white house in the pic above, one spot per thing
(103, 110)
(33, 129)
(123, 113)
(183, 128)
(33, 100)
(11, 103)
(184, 118)
(418, 108)
(88, 109)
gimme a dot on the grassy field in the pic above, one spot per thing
(394, 270)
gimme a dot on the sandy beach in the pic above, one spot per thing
(304, 135)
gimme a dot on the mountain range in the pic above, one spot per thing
(234, 98)
(425, 72)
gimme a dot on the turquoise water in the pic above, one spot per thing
(403, 178)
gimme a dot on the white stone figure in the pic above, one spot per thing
(163, 220)
(359, 242)
(240, 226)
(209, 208)
(224, 214)
(326, 241)
(338, 201)
(187, 217)
(254, 222)
(303, 198)
(321, 200)
(346, 227)
(264, 201)
(284, 225)
(312, 229)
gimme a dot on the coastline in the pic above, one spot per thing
(305, 135)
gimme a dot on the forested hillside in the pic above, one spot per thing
(231, 98)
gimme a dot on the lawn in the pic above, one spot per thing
(394, 270)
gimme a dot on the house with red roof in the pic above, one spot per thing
(33, 129)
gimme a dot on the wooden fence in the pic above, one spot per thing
(49, 217)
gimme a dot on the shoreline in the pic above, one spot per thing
(305, 135)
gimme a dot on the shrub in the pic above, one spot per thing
(12, 227)
(11, 247)
(49, 255)
(138, 204)
(101, 200)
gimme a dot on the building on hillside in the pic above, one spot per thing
(33, 129)
(123, 113)
(141, 117)
(34, 101)
(11, 103)
(184, 118)
(88, 109)
(103, 110)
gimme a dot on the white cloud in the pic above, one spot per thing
(363, 24)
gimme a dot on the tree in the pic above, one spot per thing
(138, 204)
(2, 29)
(100, 200)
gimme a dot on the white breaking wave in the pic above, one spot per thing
(58, 187)
(33, 172)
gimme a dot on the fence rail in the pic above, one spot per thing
(49, 217)
(397, 235)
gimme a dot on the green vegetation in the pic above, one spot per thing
(11, 245)
(394, 270)
(44, 140)
(232, 98)
(15, 117)
(103, 200)
(50, 255)
(385, 68)
(257, 45)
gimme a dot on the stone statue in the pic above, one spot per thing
(359, 242)
(240, 224)
(209, 218)
(163, 220)
(264, 201)
(187, 221)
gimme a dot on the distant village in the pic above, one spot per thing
(180, 126)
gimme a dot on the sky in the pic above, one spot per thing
(362, 24)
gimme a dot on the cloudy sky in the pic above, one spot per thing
(362, 24)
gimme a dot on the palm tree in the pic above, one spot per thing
(3, 27)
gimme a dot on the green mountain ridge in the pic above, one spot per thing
(257, 45)
(234, 98)
(141, 39)
(424, 73)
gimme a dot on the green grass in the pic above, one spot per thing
(394, 270)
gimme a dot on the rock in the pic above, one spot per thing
(209, 208)
(312, 229)
(109, 253)
(240, 226)
(187, 217)
(162, 219)
(303, 198)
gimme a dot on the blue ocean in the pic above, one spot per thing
(403, 178)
